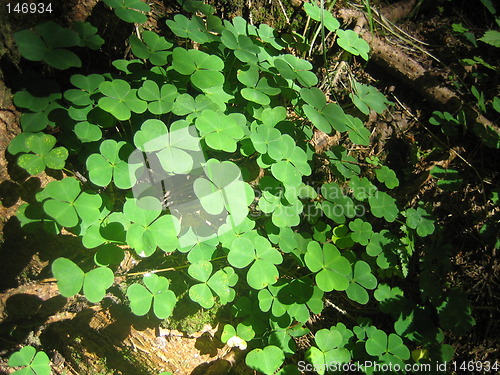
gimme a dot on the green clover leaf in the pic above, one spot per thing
(149, 230)
(361, 231)
(42, 154)
(314, 11)
(329, 349)
(381, 245)
(88, 35)
(383, 205)
(220, 283)
(257, 249)
(362, 279)
(48, 43)
(341, 237)
(243, 46)
(420, 220)
(86, 87)
(221, 131)
(336, 205)
(387, 176)
(120, 99)
(111, 164)
(87, 132)
(385, 347)
(37, 363)
(332, 268)
(353, 43)
(204, 69)
(67, 203)
(194, 29)
(266, 360)
(342, 163)
(368, 97)
(129, 10)
(176, 148)
(71, 278)
(292, 167)
(156, 292)
(152, 47)
(161, 100)
(361, 188)
(295, 68)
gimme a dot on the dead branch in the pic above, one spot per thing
(407, 69)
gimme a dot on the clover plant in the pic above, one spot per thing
(201, 159)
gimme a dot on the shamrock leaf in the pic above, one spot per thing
(381, 246)
(87, 132)
(420, 220)
(71, 278)
(120, 99)
(220, 283)
(149, 230)
(67, 203)
(341, 237)
(321, 15)
(88, 35)
(42, 154)
(283, 215)
(294, 68)
(383, 205)
(156, 292)
(258, 89)
(254, 248)
(243, 46)
(37, 363)
(266, 360)
(242, 331)
(161, 100)
(268, 35)
(387, 176)
(221, 131)
(362, 279)
(342, 163)
(361, 231)
(110, 165)
(361, 188)
(353, 43)
(327, 116)
(129, 10)
(194, 28)
(185, 104)
(387, 348)
(153, 47)
(367, 97)
(332, 268)
(292, 166)
(48, 43)
(336, 205)
(204, 69)
(329, 350)
(86, 87)
(176, 148)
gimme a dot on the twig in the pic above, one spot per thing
(284, 12)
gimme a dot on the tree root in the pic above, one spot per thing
(407, 69)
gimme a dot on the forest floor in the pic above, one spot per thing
(32, 312)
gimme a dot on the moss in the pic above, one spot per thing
(189, 317)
